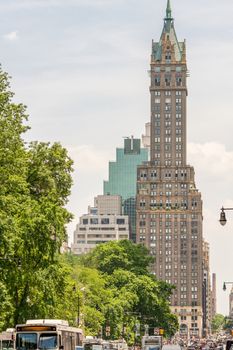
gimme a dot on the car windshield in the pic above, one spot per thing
(48, 341)
(26, 341)
(153, 347)
(7, 345)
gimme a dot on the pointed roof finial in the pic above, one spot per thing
(168, 10)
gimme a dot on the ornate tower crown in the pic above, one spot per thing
(168, 39)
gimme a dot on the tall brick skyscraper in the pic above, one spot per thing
(169, 206)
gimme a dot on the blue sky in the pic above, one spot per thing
(81, 68)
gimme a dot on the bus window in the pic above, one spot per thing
(26, 341)
(48, 341)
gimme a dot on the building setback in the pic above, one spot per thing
(169, 206)
(123, 178)
(103, 223)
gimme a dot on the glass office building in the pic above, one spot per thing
(123, 178)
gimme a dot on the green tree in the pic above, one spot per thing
(217, 322)
(228, 324)
(119, 255)
(35, 183)
(136, 294)
(145, 298)
(5, 305)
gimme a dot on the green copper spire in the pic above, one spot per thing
(168, 10)
(168, 33)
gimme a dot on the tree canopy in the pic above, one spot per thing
(35, 182)
(137, 296)
(217, 322)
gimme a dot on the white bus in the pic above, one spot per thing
(152, 342)
(47, 335)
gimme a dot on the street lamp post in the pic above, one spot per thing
(223, 219)
(78, 303)
(224, 285)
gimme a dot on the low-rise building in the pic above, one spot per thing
(103, 223)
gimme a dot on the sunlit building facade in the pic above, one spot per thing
(169, 205)
(103, 223)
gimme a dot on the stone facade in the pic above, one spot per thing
(103, 223)
(207, 291)
(169, 206)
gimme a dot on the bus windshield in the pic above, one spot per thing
(26, 341)
(48, 341)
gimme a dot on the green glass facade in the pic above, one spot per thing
(123, 177)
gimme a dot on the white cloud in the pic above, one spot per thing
(89, 159)
(30, 4)
(11, 36)
(212, 159)
(90, 169)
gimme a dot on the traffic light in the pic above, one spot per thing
(161, 331)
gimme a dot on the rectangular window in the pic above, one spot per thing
(157, 80)
(167, 79)
(104, 221)
(178, 80)
(94, 221)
